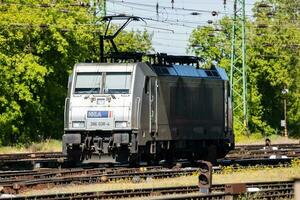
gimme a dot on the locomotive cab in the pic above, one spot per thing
(100, 111)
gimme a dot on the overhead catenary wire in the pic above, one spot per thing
(170, 25)
(153, 11)
(171, 22)
(97, 29)
(199, 26)
(165, 7)
(198, 22)
(168, 45)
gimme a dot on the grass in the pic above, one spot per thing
(259, 139)
(228, 175)
(48, 145)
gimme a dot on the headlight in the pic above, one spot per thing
(121, 124)
(101, 101)
(78, 124)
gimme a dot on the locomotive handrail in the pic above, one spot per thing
(137, 111)
(65, 112)
(156, 106)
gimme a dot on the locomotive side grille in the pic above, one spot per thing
(212, 73)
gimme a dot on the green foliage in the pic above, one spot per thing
(212, 44)
(272, 61)
(40, 41)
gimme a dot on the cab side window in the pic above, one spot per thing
(146, 86)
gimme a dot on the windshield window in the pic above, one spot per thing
(117, 83)
(88, 83)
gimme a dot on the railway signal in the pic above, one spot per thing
(205, 177)
(284, 122)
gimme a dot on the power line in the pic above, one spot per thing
(171, 22)
(152, 11)
(159, 28)
(165, 7)
(174, 33)
(170, 8)
(169, 39)
(167, 45)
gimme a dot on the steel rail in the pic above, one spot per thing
(9, 177)
(267, 194)
(261, 146)
(97, 176)
(16, 176)
(15, 186)
(30, 156)
(266, 190)
(28, 179)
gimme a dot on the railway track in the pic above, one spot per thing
(14, 182)
(10, 177)
(256, 154)
(259, 146)
(239, 149)
(15, 185)
(21, 161)
(259, 151)
(21, 181)
(30, 156)
(263, 190)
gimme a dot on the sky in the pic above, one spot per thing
(171, 27)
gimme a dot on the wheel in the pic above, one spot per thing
(169, 158)
(134, 160)
(152, 160)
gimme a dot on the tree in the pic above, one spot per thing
(275, 59)
(212, 43)
(40, 41)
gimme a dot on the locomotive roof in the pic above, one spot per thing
(104, 67)
(161, 70)
(190, 71)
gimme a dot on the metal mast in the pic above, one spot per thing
(238, 76)
(103, 7)
(100, 7)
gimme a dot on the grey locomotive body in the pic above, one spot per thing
(127, 112)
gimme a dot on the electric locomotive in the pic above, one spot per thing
(152, 111)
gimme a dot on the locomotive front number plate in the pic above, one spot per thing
(97, 114)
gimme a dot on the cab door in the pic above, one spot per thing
(153, 87)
